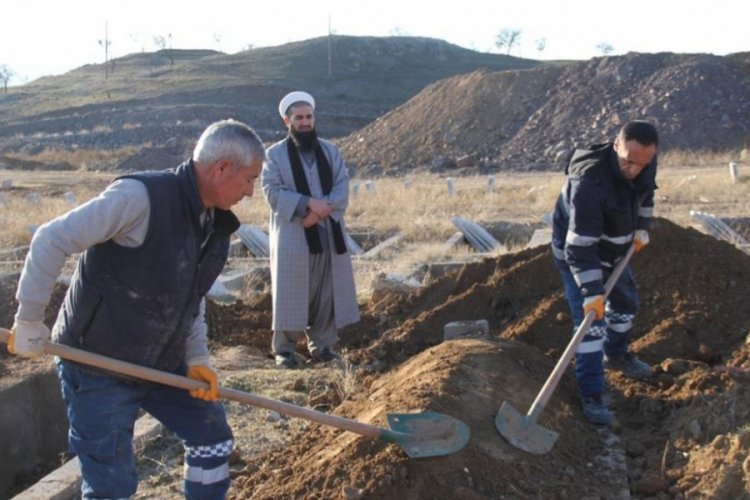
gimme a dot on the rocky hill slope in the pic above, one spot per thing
(531, 119)
(159, 102)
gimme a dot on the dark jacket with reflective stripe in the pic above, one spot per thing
(597, 213)
(138, 304)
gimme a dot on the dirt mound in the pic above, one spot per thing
(246, 324)
(692, 325)
(532, 119)
(684, 434)
(466, 379)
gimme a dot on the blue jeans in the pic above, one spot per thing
(608, 336)
(102, 410)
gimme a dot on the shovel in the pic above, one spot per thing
(521, 430)
(420, 435)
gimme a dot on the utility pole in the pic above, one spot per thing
(106, 50)
(105, 43)
(330, 60)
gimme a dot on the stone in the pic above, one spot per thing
(464, 328)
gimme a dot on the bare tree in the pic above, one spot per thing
(217, 39)
(508, 38)
(541, 44)
(165, 44)
(5, 75)
(330, 47)
(605, 48)
(135, 38)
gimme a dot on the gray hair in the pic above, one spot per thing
(228, 140)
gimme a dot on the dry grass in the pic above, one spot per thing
(705, 189)
(423, 209)
(697, 158)
(34, 198)
(419, 207)
(84, 159)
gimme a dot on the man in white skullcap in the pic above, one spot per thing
(306, 185)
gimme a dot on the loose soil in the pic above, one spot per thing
(532, 119)
(683, 435)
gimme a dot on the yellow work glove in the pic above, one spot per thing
(640, 239)
(206, 374)
(594, 303)
(27, 338)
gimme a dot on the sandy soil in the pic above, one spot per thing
(683, 435)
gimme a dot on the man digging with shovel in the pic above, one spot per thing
(605, 206)
(151, 246)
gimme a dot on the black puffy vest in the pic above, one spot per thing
(138, 304)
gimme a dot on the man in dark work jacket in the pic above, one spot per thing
(605, 206)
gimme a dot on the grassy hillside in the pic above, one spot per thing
(167, 97)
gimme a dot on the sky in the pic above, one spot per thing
(49, 37)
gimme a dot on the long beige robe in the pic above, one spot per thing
(290, 269)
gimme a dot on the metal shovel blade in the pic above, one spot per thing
(426, 434)
(523, 432)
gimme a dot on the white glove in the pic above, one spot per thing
(640, 239)
(28, 338)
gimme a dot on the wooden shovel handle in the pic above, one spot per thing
(170, 379)
(554, 378)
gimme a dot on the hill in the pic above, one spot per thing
(396, 104)
(161, 101)
(533, 118)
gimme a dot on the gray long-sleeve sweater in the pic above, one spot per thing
(120, 213)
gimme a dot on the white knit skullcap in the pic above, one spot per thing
(291, 98)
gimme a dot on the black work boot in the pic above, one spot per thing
(325, 355)
(595, 410)
(629, 365)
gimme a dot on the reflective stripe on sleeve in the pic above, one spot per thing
(619, 240)
(572, 238)
(587, 276)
